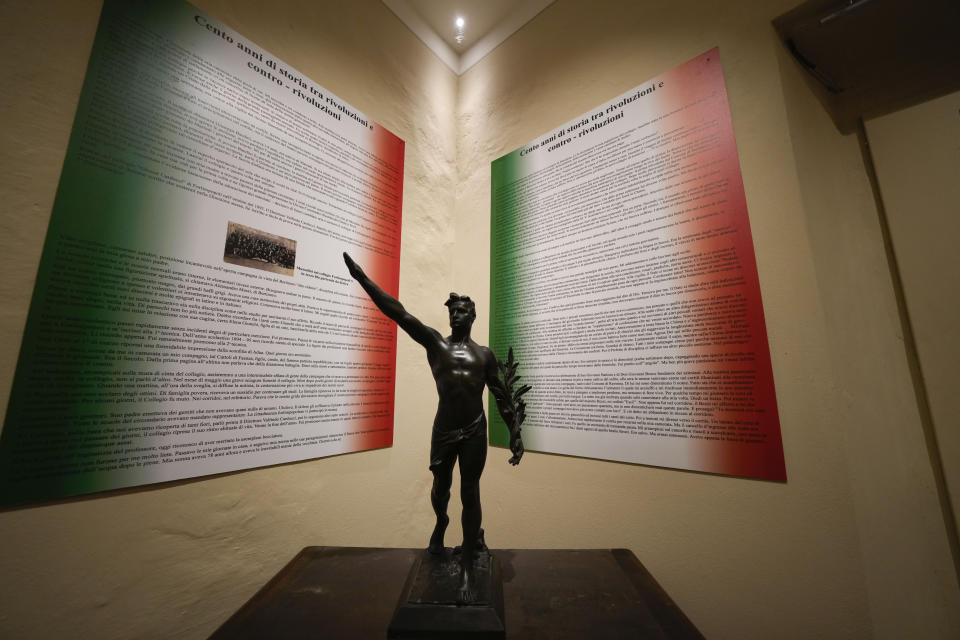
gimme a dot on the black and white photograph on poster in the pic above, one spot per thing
(256, 249)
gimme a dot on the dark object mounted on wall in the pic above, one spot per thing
(866, 58)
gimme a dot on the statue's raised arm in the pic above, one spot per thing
(392, 308)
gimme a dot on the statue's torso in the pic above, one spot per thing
(460, 373)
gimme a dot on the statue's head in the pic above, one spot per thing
(462, 311)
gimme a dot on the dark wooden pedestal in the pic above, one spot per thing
(351, 592)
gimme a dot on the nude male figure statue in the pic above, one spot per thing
(461, 369)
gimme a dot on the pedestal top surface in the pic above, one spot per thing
(351, 592)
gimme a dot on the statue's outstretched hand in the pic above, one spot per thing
(355, 271)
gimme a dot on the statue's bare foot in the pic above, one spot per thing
(467, 592)
(436, 540)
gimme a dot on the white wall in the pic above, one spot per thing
(917, 156)
(850, 546)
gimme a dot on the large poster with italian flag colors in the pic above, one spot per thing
(192, 314)
(623, 275)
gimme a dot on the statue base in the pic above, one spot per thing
(428, 606)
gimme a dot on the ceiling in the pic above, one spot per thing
(487, 23)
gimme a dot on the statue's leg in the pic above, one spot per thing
(439, 498)
(473, 456)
